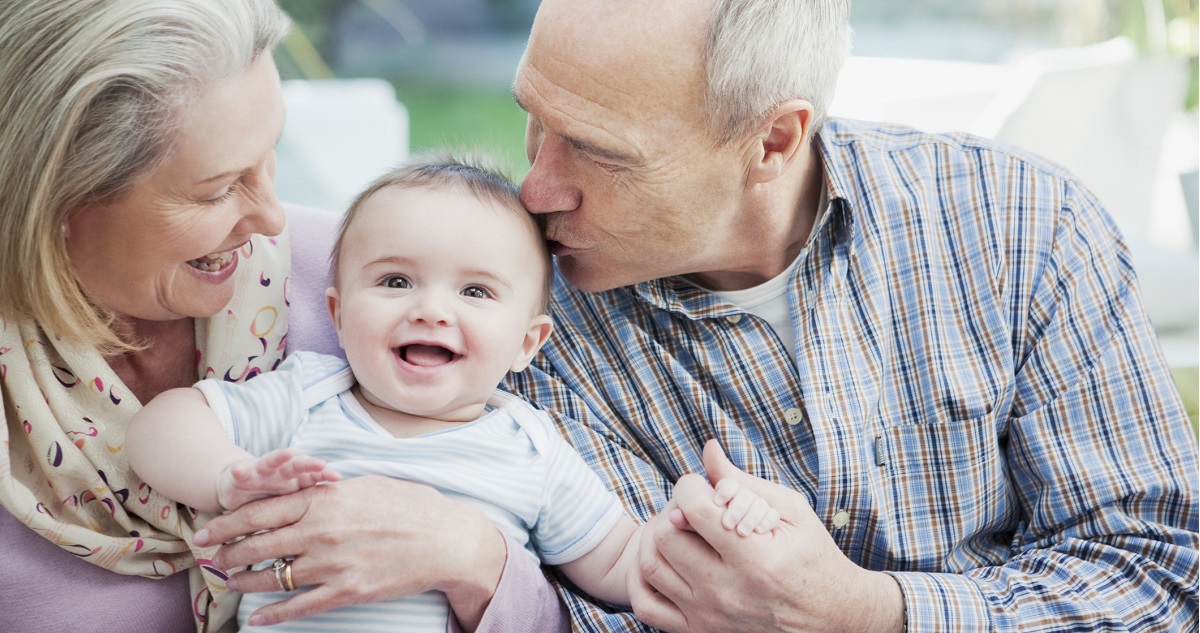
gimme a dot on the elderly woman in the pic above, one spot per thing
(141, 249)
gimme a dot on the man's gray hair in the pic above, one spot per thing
(760, 53)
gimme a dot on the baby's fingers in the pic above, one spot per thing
(325, 475)
(304, 464)
(754, 517)
(769, 522)
(738, 507)
(725, 490)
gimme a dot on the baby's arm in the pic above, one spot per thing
(176, 444)
(603, 571)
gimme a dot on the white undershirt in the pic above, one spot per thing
(768, 300)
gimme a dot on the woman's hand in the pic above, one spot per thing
(359, 541)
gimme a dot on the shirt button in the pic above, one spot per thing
(793, 416)
(734, 318)
(841, 519)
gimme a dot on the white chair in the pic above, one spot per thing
(1103, 112)
(339, 136)
(930, 95)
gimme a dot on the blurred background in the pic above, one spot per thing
(1107, 88)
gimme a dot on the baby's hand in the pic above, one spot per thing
(276, 473)
(745, 511)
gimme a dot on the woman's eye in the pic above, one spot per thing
(230, 192)
(476, 292)
(396, 282)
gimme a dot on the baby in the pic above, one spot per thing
(441, 288)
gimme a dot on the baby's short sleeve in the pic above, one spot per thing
(263, 413)
(577, 510)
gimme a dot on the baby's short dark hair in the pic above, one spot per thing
(472, 173)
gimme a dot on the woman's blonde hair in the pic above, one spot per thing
(88, 94)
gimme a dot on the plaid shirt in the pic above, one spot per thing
(975, 387)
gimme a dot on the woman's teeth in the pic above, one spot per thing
(212, 262)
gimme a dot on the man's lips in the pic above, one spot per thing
(559, 249)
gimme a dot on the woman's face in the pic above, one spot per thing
(166, 248)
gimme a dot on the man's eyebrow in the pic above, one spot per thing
(587, 147)
(602, 153)
(517, 100)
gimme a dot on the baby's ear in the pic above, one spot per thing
(536, 336)
(334, 304)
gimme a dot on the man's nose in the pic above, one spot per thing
(549, 187)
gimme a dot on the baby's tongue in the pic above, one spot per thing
(427, 355)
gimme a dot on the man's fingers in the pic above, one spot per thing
(676, 517)
(654, 609)
(653, 568)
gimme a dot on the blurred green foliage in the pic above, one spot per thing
(1187, 379)
(447, 115)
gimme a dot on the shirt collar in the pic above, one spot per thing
(676, 294)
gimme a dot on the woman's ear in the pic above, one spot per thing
(536, 336)
(781, 142)
(334, 304)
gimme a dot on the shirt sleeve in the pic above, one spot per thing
(605, 446)
(1101, 456)
(524, 601)
(577, 511)
(261, 414)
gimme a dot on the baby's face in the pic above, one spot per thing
(438, 298)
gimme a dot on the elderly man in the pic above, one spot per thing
(928, 351)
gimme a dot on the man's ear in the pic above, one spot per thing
(781, 142)
(334, 304)
(536, 336)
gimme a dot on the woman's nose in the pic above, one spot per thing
(263, 212)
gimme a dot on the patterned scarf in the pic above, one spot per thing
(65, 411)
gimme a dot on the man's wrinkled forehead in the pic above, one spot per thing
(633, 36)
(629, 61)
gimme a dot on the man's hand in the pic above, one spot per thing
(792, 579)
(362, 540)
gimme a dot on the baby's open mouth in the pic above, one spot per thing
(212, 262)
(426, 355)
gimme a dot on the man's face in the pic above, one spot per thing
(630, 183)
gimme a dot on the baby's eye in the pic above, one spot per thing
(396, 282)
(477, 292)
